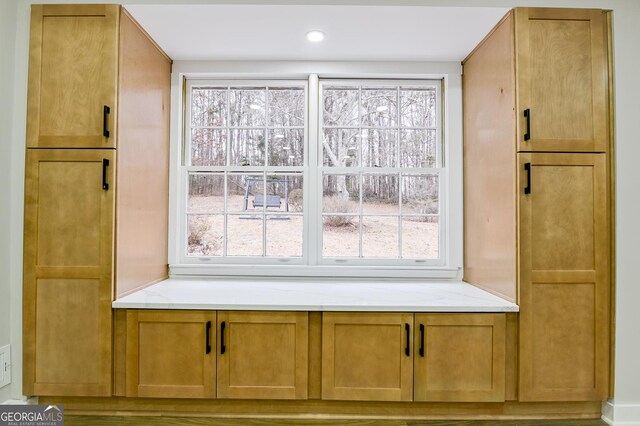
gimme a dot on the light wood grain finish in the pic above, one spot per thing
(167, 355)
(289, 409)
(72, 76)
(463, 358)
(489, 164)
(363, 356)
(143, 160)
(562, 78)
(564, 331)
(315, 355)
(511, 357)
(266, 355)
(119, 352)
(68, 262)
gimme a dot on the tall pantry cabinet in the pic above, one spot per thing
(537, 203)
(96, 189)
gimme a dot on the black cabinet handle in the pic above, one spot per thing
(208, 343)
(223, 348)
(407, 349)
(527, 189)
(421, 350)
(105, 121)
(527, 115)
(105, 164)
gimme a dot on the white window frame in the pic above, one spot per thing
(451, 109)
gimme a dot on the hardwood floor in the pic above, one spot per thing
(202, 421)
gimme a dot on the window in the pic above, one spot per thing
(366, 189)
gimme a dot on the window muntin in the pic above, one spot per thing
(243, 172)
(381, 172)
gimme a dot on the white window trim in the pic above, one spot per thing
(450, 73)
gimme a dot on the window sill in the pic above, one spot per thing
(314, 295)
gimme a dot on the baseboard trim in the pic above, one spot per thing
(620, 414)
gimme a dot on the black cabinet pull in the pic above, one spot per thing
(223, 348)
(407, 349)
(105, 164)
(421, 350)
(105, 121)
(208, 343)
(527, 189)
(527, 115)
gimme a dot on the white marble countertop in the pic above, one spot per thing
(287, 295)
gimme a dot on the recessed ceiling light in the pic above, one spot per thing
(315, 36)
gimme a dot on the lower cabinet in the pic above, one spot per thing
(459, 357)
(263, 355)
(171, 354)
(367, 356)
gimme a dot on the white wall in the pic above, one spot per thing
(627, 63)
(7, 50)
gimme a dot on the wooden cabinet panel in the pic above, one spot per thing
(367, 356)
(168, 356)
(72, 76)
(263, 355)
(562, 77)
(564, 264)
(68, 262)
(459, 357)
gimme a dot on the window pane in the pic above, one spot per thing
(420, 237)
(418, 107)
(379, 148)
(379, 108)
(206, 193)
(208, 147)
(286, 107)
(418, 148)
(286, 147)
(380, 194)
(284, 193)
(208, 107)
(205, 235)
(242, 190)
(247, 148)
(284, 235)
(244, 235)
(380, 236)
(341, 194)
(341, 147)
(420, 194)
(247, 106)
(340, 106)
(340, 236)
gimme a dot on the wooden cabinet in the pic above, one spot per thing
(73, 76)
(263, 355)
(95, 219)
(459, 357)
(564, 277)
(367, 356)
(537, 224)
(68, 271)
(561, 76)
(171, 354)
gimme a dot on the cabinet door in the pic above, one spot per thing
(564, 277)
(72, 76)
(68, 258)
(459, 357)
(367, 356)
(561, 75)
(263, 355)
(171, 354)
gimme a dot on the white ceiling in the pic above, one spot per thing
(353, 33)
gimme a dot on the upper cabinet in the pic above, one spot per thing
(73, 75)
(561, 78)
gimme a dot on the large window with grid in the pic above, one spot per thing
(364, 187)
